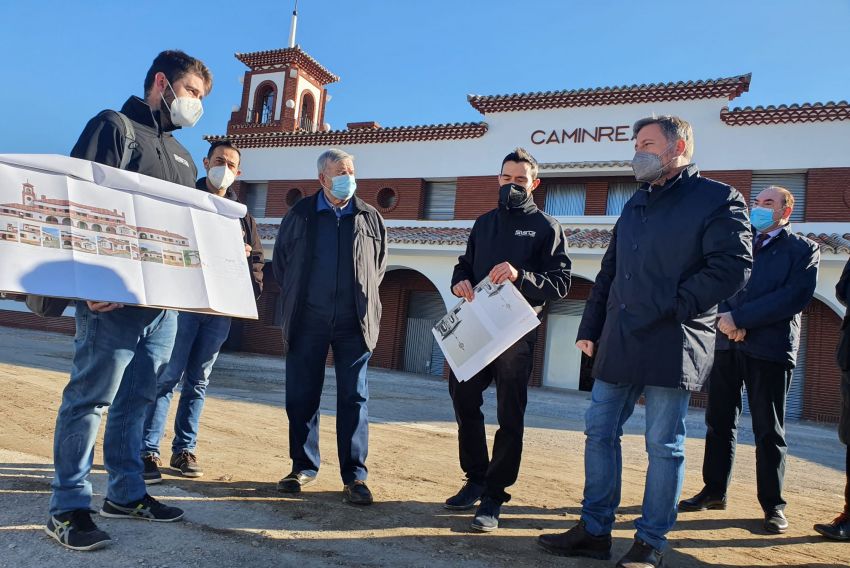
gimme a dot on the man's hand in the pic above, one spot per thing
(503, 271)
(247, 250)
(587, 347)
(737, 335)
(463, 289)
(725, 323)
(102, 307)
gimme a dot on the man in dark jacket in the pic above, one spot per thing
(757, 340)
(198, 341)
(329, 259)
(839, 528)
(515, 242)
(680, 247)
(111, 338)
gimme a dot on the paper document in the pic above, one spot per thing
(474, 333)
(77, 229)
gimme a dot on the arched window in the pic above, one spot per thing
(308, 108)
(264, 103)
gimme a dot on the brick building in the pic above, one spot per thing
(430, 182)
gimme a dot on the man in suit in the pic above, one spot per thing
(757, 340)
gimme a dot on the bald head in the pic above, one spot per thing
(779, 200)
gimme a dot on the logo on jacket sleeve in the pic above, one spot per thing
(181, 159)
(519, 233)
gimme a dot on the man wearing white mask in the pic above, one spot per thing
(329, 259)
(198, 341)
(119, 351)
(757, 341)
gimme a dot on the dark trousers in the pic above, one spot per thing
(767, 386)
(511, 372)
(305, 376)
(847, 485)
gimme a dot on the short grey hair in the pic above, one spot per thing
(673, 127)
(332, 156)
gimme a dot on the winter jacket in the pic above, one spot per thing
(842, 292)
(676, 252)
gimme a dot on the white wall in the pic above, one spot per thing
(278, 79)
(718, 146)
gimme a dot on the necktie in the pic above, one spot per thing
(761, 238)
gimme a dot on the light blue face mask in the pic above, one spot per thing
(343, 187)
(761, 218)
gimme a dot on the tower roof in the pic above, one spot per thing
(279, 58)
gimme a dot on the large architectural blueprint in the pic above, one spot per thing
(78, 229)
(474, 333)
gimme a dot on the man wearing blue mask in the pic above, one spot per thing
(680, 247)
(757, 340)
(329, 259)
(119, 351)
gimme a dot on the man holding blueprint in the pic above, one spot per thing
(514, 243)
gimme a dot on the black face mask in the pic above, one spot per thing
(512, 196)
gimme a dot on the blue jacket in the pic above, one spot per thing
(785, 273)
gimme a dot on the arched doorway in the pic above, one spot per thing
(308, 110)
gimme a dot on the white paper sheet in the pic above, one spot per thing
(77, 229)
(474, 333)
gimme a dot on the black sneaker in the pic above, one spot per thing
(293, 482)
(466, 498)
(146, 509)
(151, 475)
(187, 463)
(487, 516)
(76, 530)
(641, 555)
(577, 542)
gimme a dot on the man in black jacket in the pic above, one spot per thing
(329, 259)
(757, 340)
(680, 247)
(118, 351)
(515, 242)
(198, 341)
(839, 528)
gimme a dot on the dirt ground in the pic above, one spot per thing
(236, 518)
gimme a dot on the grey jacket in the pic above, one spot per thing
(297, 236)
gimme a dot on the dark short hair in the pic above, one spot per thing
(673, 127)
(223, 144)
(176, 64)
(521, 156)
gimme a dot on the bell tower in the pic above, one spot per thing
(28, 193)
(282, 91)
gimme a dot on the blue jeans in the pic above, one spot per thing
(117, 358)
(305, 375)
(611, 405)
(199, 339)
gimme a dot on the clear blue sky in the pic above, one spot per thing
(405, 62)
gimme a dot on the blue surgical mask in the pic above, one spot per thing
(343, 187)
(761, 218)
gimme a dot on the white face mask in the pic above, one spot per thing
(221, 177)
(185, 111)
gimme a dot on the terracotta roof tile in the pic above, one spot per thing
(783, 114)
(727, 87)
(831, 243)
(582, 165)
(278, 58)
(359, 136)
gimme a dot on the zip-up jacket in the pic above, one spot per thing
(532, 241)
(156, 153)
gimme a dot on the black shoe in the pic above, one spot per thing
(146, 509)
(187, 463)
(357, 493)
(839, 529)
(703, 501)
(641, 555)
(577, 542)
(76, 530)
(775, 522)
(151, 475)
(487, 516)
(293, 482)
(466, 498)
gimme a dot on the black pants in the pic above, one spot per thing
(511, 372)
(847, 485)
(767, 385)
